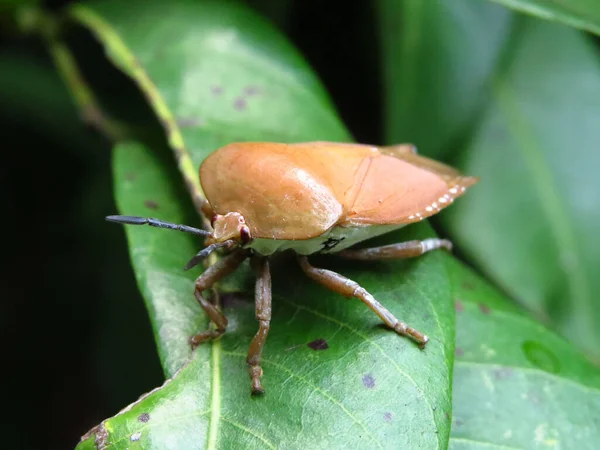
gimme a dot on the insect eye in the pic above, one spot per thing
(245, 235)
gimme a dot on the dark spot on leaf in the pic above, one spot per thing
(318, 344)
(150, 204)
(459, 422)
(387, 416)
(447, 415)
(216, 89)
(130, 176)
(540, 356)
(484, 308)
(189, 122)
(458, 306)
(240, 103)
(369, 381)
(101, 440)
(234, 300)
(459, 351)
(503, 373)
(251, 90)
(144, 417)
(468, 285)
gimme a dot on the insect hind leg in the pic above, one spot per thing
(348, 288)
(401, 250)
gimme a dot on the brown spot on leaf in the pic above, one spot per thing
(468, 285)
(151, 204)
(144, 417)
(130, 176)
(318, 344)
(458, 306)
(484, 308)
(240, 103)
(387, 416)
(251, 90)
(216, 89)
(101, 440)
(189, 122)
(459, 351)
(368, 381)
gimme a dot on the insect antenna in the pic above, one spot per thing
(134, 220)
(197, 259)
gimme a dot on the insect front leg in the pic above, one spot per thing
(205, 281)
(263, 315)
(348, 288)
(409, 249)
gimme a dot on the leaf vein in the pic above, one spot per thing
(315, 388)
(375, 344)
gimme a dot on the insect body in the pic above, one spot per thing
(317, 197)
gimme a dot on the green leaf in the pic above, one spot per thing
(584, 14)
(214, 73)
(438, 57)
(516, 384)
(532, 223)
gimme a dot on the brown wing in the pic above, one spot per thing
(401, 187)
(284, 191)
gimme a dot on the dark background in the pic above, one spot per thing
(77, 344)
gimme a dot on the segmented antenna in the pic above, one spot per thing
(197, 259)
(134, 220)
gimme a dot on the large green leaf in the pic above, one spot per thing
(533, 221)
(516, 384)
(584, 14)
(438, 59)
(214, 73)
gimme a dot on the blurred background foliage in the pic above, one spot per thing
(512, 99)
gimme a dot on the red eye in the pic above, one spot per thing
(245, 234)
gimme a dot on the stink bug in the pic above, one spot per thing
(317, 197)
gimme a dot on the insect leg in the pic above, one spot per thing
(205, 281)
(408, 249)
(349, 288)
(263, 315)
